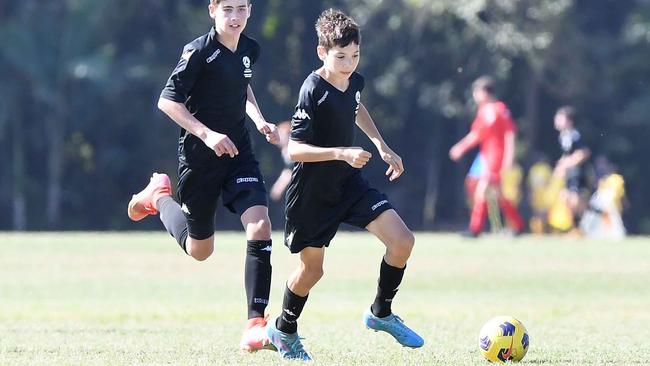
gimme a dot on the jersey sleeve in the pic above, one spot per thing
(184, 76)
(509, 123)
(302, 120)
(255, 51)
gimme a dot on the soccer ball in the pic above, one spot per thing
(503, 338)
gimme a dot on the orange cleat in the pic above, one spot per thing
(255, 337)
(143, 203)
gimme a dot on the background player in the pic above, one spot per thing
(327, 189)
(208, 96)
(494, 130)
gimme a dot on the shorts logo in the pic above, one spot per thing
(301, 114)
(248, 73)
(214, 55)
(185, 209)
(379, 204)
(247, 180)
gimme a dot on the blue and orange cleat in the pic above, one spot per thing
(255, 337)
(394, 326)
(143, 203)
(288, 345)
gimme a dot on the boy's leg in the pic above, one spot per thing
(399, 241)
(257, 276)
(479, 208)
(283, 333)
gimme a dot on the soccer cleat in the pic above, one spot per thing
(393, 325)
(255, 337)
(288, 345)
(143, 203)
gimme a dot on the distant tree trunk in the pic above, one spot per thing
(19, 213)
(431, 192)
(532, 112)
(55, 129)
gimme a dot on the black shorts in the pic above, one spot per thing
(314, 225)
(199, 189)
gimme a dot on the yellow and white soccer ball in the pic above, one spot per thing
(503, 338)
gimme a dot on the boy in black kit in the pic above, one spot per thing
(327, 188)
(208, 96)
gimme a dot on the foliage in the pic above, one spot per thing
(80, 131)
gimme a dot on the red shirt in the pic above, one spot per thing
(491, 124)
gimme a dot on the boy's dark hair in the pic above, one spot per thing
(217, 2)
(335, 28)
(485, 83)
(569, 112)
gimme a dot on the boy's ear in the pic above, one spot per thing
(212, 10)
(322, 52)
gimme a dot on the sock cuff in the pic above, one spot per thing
(291, 293)
(255, 246)
(386, 266)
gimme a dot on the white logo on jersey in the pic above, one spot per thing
(247, 180)
(214, 55)
(378, 204)
(321, 100)
(185, 209)
(248, 73)
(301, 114)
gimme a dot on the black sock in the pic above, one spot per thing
(257, 276)
(291, 308)
(389, 279)
(173, 219)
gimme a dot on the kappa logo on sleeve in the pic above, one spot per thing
(301, 114)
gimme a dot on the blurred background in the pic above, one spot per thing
(80, 131)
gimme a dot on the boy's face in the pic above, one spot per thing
(230, 16)
(340, 61)
(561, 122)
(479, 95)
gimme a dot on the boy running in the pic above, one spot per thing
(208, 96)
(494, 130)
(327, 188)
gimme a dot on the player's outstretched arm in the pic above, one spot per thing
(219, 143)
(469, 141)
(253, 110)
(367, 125)
(307, 153)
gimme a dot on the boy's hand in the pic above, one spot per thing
(270, 131)
(220, 144)
(394, 161)
(356, 157)
(456, 153)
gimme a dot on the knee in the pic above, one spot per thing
(200, 252)
(403, 245)
(313, 274)
(259, 230)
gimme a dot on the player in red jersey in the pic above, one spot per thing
(494, 129)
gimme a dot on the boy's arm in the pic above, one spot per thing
(469, 141)
(306, 153)
(509, 151)
(367, 125)
(253, 110)
(178, 112)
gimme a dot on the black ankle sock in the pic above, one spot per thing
(291, 308)
(389, 280)
(173, 219)
(257, 276)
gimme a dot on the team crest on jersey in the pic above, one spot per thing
(248, 73)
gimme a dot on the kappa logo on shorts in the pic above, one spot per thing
(378, 204)
(247, 180)
(185, 209)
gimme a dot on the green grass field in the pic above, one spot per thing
(136, 299)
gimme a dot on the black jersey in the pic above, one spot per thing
(571, 141)
(212, 82)
(325, 117)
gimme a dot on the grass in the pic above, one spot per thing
(135, 299)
